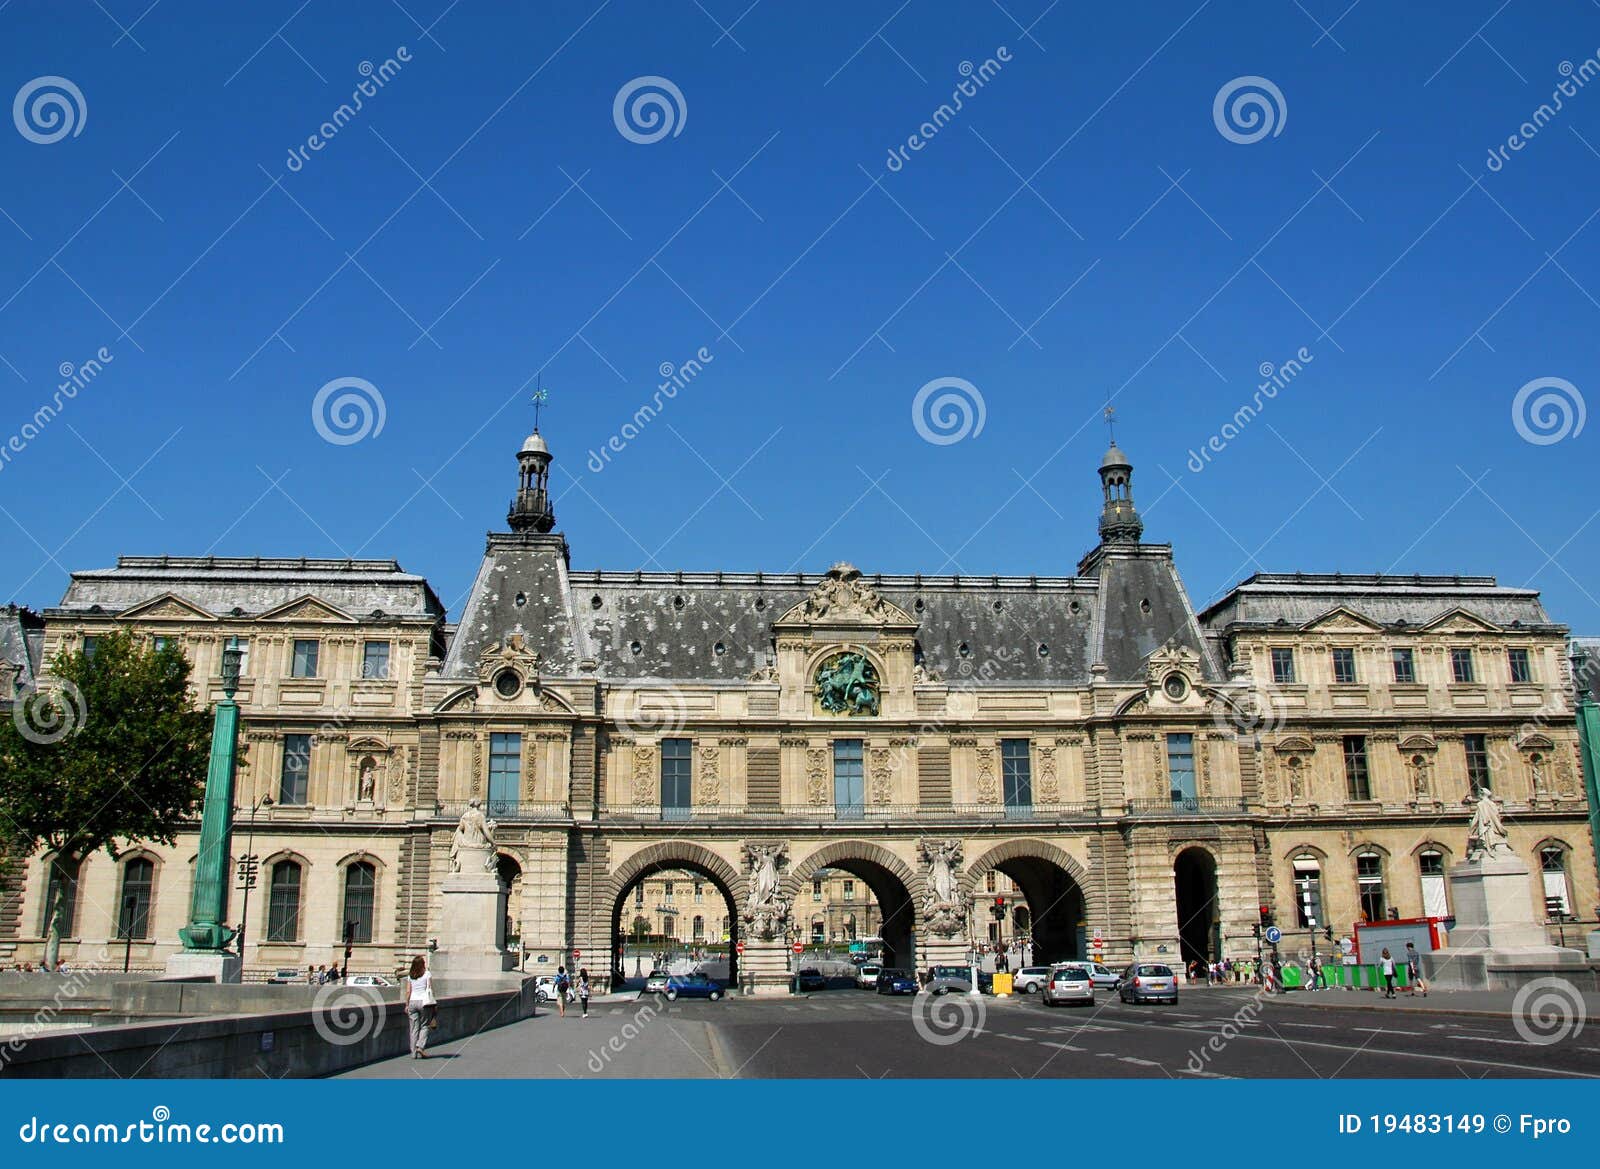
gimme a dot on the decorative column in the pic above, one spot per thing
(206, 938)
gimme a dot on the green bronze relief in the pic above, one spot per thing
(847, 683)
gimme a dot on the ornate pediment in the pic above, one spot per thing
(308, 608)
(844, 598)
(1342, 620)
(1460, 620)
(166, 607)
(511, 654)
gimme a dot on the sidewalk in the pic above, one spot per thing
(1495, 1003)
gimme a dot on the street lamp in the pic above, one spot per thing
(206, 934)
(1588, 716)
(249, 866)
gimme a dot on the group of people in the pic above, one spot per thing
(569, 989)
(322, 975)
(1242, 970)
(1414, 979)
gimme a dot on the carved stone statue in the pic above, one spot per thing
(1486, 835)
(765, 912)
(844, 595)
(473, 841)
(847, 683)
(367, 783)
(1419, 776)
(943, 911)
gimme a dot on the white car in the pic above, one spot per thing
(1031, 979)
(368, 980)
(867, 976)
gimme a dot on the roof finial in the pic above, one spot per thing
(540, 397)
(1111, 422)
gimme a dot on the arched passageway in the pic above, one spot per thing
(1052, 920)
(675, 898)
(887, 878)
(1194, 876)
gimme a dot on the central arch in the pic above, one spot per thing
(897, 888)
(674, 856)
(1194, 878)
(1054, 886)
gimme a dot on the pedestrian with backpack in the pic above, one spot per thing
(563, 989)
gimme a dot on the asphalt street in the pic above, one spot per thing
(1221, 1033)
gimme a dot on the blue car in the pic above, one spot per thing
(693, 986)
(896, 982)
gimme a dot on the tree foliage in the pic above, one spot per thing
(132, 766)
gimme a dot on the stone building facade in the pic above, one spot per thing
(1145, 780)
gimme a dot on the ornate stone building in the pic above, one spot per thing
(1143, 777)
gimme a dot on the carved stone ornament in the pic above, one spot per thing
(1048, 792)
(765, 911)
(988, 793)
(880, 771)
(513, 653)
(817, 775)
(944, 911)
(644, 774)
(709, 794)
(765, 674)
(842, 597)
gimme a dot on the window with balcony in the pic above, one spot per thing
(1461, 668)
(1180, 770)
(849, 796)
(505, 773)
(294, 779)
(1521, 666)
(676, 761)
(1478, 775)
(1016, 773)
(1283, 666)
(1369, 885)
(1357, 778)
(1344, 666)
(1405, 666)
(303, 664)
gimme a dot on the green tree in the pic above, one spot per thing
(112, 751)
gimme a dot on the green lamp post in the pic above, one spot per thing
(206, 933)
(1588, 714)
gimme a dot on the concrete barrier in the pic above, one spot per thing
(317, 1036)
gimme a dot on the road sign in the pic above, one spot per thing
(576, 954)
(1098, 936)
(1274, 935)
(739, 949)
(799, 948)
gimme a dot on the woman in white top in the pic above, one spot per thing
(419, 996)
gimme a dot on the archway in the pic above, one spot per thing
(510, 873)
(1052, 885)
(1194, 875)
(889, 880)
(680, 884)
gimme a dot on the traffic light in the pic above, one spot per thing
(999, 908)
(1266, 914)
(1327, 932)
(1255, 931)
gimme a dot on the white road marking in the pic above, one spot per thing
(1388, 1031)
(1062, 1046)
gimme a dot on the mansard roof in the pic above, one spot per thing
(1300, 598)
(21, 640)
(250, 586)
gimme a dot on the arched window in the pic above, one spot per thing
(1022, 918)
(360, 901)
(138, 889)
(1308, 891)
(283, 902)
(818, 931)
(699, 928)
(1553, 872)
(66, 881)
(1369, 884)
(1435, 901)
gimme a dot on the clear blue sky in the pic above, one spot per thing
(1149, 259)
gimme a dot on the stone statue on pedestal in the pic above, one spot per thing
(765, 912)
(942, 909)
(1486, 835)
(473, 847)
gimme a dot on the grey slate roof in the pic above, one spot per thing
(21, 640)
(253, 585)
(1301, 597)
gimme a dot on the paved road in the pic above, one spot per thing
(1221, 1033)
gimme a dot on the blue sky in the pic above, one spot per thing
(1082, 230)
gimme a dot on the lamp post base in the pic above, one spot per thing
(206, 966)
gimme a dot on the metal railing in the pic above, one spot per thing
(510, 811)
(853, 813)
(1187, 806)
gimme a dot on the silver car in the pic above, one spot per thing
(1031, 979)
(1072, 983)
(1148, 982)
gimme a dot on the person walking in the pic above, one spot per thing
(1414, 970)
(1386, 968)
(583, 990)
(563, 984)
(418, 996)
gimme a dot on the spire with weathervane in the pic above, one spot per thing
(1119, 519)
(531, 510)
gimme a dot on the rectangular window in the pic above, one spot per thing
(1553, 872)
(1308, 892)
(1521, 666)
(1435, 902)
(283, 903)
(1344, 666)
(90, 645)
(1461, 665)
(160, 642)
(505, 774)
(375, 659)
(294, 781)
(242, 644)
(849, 890)
(1369, 882)
(304, 664)
(1016, 772)
(676, 756)
(699, 893)
(1358, 781)
(1405, 666)
(133, 912)
(1478, 777)
(360, 902)
(816, 890)
(848, 792)
(1180, 771)
(1283, 666)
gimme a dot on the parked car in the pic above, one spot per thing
(944, 979)
(868, 974)
(657, 982)
(891, 981)
(810, 978)
(1103, 976)
(1031, 979)
(1145, 982)
(693, 986)
(368, 980)
(1071, 983)
(544, 988)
